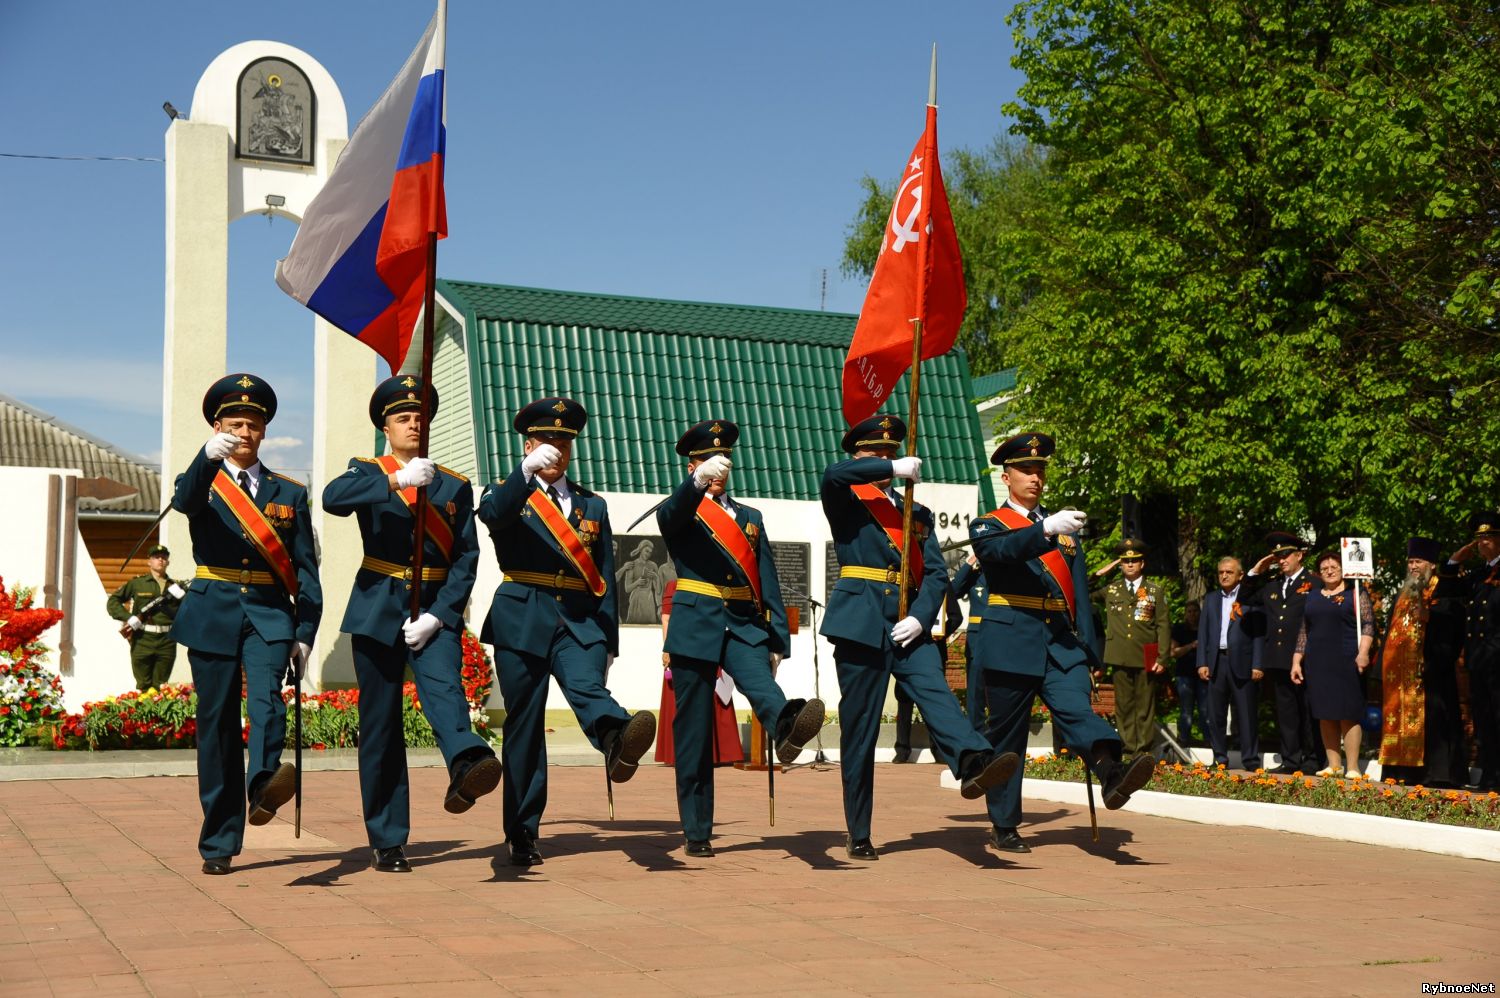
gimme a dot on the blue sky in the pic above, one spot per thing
(679, 150)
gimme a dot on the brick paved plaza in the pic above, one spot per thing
(102, 895)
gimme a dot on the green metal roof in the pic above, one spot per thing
(647, 369)
(987, 386)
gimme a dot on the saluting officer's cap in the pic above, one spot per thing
(877, 431)
(1484, 525)
(551, 417)
(712, 436)
(1024, 448)
(399, 394)
(1422, 547)
(1131, 547)
(239, 393)
(1284, 542)
(158, 549)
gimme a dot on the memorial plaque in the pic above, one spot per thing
(830, 568)
(275, 111)
(794, 569)
(642, 571)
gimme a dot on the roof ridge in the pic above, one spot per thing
(41, 415)
(459, 283)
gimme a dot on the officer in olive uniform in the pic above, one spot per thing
(146, 606)
(870, 643)
(254, 602)
(1135, 616)
(722, 617)
(1278, 598)
(1038, 635)
(381, 493)
(1478, 589)
(554, 615)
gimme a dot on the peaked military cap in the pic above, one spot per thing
(399, 394)
(1484, 525)
(1422, 547)
(551, 417)
(158, 549)
(1131, 547)
(239, 393)
(878, 431)
(1023, 448)
(712, 436)
(1284, 542)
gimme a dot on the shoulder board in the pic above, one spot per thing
(277, 474)
(366, 460)
(450, 471)
(991, 518)
(579, 490)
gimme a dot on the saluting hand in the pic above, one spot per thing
(542, 457)
(909, 468)
(715, 469)
(220, 446)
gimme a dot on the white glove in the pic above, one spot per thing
(1068, 521)
(420, 631)
(419, 471)
(542, 457)
(176, 591)
(220, 446)
(714, 469)
(909, 468)
(301, 651)
(724, 688)
(134, 623)
(907, 630)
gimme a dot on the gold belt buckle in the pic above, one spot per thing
(725, 592)
(892, 575)
(406, 573)
(557, 582)
(244, 576)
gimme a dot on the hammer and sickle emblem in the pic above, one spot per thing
(245, 382)
(905, 232)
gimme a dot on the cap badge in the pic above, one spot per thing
(886, 435)
(561, 406)
(244, 398)
(409, 381)
(411, 396)
(716, 428)
(557, 422)
(1033, 443)
(885, 424)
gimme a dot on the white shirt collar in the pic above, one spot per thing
(1022, 509)
(255, 471)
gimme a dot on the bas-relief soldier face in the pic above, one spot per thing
(250, 428)
(1026, 482)
(403, 430)
(716, 486)
(564, 445)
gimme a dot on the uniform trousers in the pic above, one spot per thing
(1225, 690)
(1135, 708)
(579, 671)
(692, 724)
(1301, 744)
(864, 676)
(151, 659)
(1009, 697)
(381, 670)
(224, 788)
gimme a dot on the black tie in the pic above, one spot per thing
(556, 499)
(1036, 517)
(244, 480)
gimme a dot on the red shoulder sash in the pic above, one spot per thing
(885, 513)
(567, 538)
(1053, 561)
(258, 529)
(732, 539)
(436, 527)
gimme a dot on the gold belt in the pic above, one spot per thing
(1028, 602)
(891, 575)
(396, 571)
(549, 580)
(239, 576)
(725, 593)
(976, 620)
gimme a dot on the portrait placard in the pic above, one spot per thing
(1354, 552)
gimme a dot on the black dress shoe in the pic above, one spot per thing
(902, 755)
(700, 848)
(523, 851)
(1121, 779)
(860, 850)
(274, 791)
(625, 745)
(392, 860)
(1284, 770)
(216, 867)
(473, 777)
(986, 770)
(798, 723)
(1007, 840)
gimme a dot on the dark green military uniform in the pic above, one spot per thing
(152, 650)
(1135, 617)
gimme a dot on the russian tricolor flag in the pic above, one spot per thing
(360, 256)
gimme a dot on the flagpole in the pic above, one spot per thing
(929, 157)
(419, 526)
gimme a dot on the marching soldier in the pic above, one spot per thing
(255, 601)
(727, 612)
(870, 643)
(1478, 589)
(146, 606)
(1038, 635)
(1137, 627)
(555, 614)
(382, 494)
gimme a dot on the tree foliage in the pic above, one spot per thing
(1257, 267)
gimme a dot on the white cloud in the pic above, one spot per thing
(281, 443)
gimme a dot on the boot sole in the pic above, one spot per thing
(639, 733)
(804, 726)
(997, 773)
(277, 791)
(1137, 775)
(482, 778)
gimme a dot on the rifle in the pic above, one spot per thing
(126, 631)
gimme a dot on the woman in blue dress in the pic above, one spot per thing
(1331, 658)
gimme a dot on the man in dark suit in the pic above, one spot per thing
(871, 643)
(554, 616)
(727, 613)
(1038, 636)
(1478, 591)
(254, 603)
(1279, 598)
(1229, 654)
(382, 494)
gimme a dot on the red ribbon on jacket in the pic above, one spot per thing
(733, 540)
(262, 535)
(567, 538)
(885, 513)
(1053, 561)
(437, 528)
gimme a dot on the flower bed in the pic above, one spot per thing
(30, 694)
(1361, 796)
